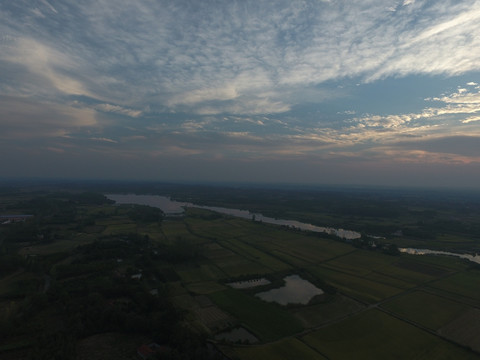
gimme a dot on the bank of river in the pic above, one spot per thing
(171, 207)
(473, 258)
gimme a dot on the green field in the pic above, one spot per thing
(357, 287)
(318, 314)
(282, 350)
(375, 335)
(265, 320)
(426, 309)
(375, 305)
(463, 284)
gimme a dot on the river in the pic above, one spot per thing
(171, 207)
(473, 258)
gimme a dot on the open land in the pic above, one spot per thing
(83, 269)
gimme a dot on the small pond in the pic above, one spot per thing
(295, 291)
(249, 283)
(238, 334)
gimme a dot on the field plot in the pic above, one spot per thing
(198, 272)
(282, 350)
(154, 231)
(206, 287)
(426, 309)
(465, 329)
(381, 277)
(213, 318)
(409, 272)
(57, 246)
(356, 287)
(174, 230)
(267, 321)
(464, 284)
(218, 229)
(306, 249)
(249, 252)
(448, 263)
(235, 266)
(318, 314)
(376, 335)
(19, 284)
(422, 267)
(120, 229)
(360, 262)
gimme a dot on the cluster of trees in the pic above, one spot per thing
(93, 291)
(369, 243)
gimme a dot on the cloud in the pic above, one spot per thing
(471, 119)
(246, 80)
(466, 146)
(22, 118)
(182, 57)
(104, 140)
(118, 110)
(50, 68)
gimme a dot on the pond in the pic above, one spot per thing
(238, 334)
(171, 207)
(473, 258)
(249, 283)
(295, 291)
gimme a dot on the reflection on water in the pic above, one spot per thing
(474, 258)
(237, 334)
(162, 202)
(295, 291)
(171, 207)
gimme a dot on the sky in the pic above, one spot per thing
(363, 92)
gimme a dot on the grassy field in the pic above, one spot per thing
(282, 350)
(267, 321)
(360, 262)
(318, 314)
(354, 286)
(373, 302)
(375, 335)
(236, 248)
(463, 284)
(426, 309)
(19, 284)
(465, 329)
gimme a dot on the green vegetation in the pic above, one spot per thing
(268, 321)
(281, 350)
(426, 309)
(375, 335)
(83, 273)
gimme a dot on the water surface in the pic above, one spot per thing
(249, 283)
(295, 291)
(171, 207)
(164, 203)
(473, 258)
(237, 334)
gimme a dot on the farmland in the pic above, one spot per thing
(127, 265)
